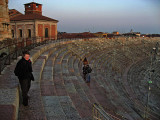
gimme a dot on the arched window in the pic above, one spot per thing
(20, 32)
(12, 33)
(46, 32)
(29, 33)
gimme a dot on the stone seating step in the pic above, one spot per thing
(47, 84)
(35, 110)
(60, 108)
(74, 89)
(112, 87)
(57, 76)
(138, 87)
(67, 108)
(9, 86)
(82, 85)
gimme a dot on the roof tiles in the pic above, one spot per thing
(32, 17)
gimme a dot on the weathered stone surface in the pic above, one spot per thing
(63, 94)
(7, 112)
(5, 31)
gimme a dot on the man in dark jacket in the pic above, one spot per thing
(24, 72)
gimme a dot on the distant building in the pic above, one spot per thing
(153, 35)
(62, 35)
(4, 20)
(109, 35)
(131, 31)
(132, 34)
(32, 23)
(143, 35)
(115, 33)
(100, 34)
(137, 34)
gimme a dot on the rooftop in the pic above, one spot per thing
(32, 3)
(14, 12)
(32, 17)
(30, 14)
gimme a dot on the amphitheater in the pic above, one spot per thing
(119, 88)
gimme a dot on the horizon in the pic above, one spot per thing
(122, 16)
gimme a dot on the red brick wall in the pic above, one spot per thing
(53, 31)
(19, 26)
(33, 9)
(40, 30)
(49, 31)
(13, 27)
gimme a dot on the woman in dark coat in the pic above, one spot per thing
(24, 71)
(86, 70)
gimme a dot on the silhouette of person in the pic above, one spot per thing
(23, 71)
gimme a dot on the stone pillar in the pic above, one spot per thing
(5, 31)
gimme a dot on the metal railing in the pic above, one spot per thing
(12, 48)
(100, 114)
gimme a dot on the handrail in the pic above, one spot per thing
(100, 114)
(13, 48)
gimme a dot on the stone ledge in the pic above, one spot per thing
(9, 103)
(7, 112)
(9, 99)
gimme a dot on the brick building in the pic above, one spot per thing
(14, 13)
(32, 23)
(4, 20)
(115, 33)
(75, 35)
(101, 34)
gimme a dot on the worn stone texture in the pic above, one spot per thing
(5, 31)
(59, 91)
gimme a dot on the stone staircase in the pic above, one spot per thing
(60, 93)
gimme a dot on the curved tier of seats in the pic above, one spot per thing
(118, 80)
(113, 81)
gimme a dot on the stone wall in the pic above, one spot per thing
(52, 29)
(37, 28)
(24, 26)
(5, 31)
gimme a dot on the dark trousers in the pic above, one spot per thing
(84, 77)
(25, 86)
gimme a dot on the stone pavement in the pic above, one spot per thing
(9, 94)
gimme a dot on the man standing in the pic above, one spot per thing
(24, 72)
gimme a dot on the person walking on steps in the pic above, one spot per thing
(23, 71)
(86, 71)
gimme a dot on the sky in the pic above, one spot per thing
(76, 16)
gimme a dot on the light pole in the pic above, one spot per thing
(151, 71)
(149, 88)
